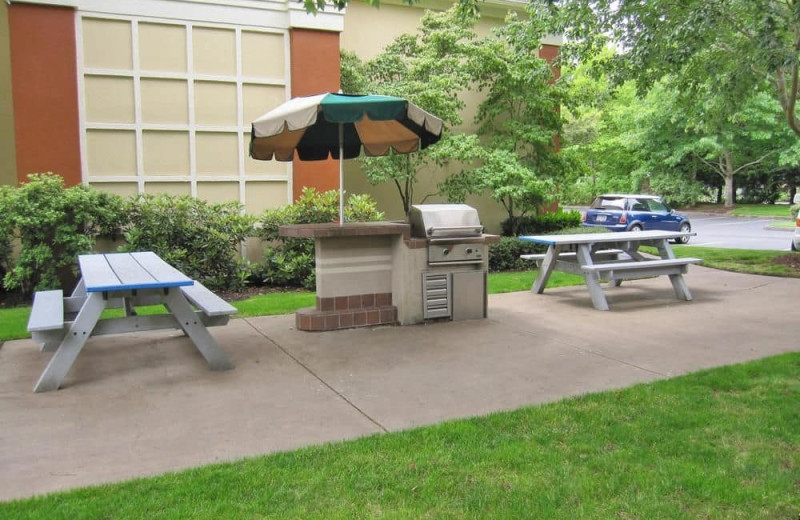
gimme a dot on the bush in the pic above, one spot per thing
(196, 237)
(543, 224)
(505, 255)
(53, 225)
(290, 261)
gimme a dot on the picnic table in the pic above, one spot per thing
(126, 280)
(611, 257)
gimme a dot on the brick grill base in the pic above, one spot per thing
(346, 312)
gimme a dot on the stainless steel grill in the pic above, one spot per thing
(454, 284)
(444, 221)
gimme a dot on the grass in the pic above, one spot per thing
(522, 281)
(740, 260)
(762, 210)
(274, 303)
(718, 444)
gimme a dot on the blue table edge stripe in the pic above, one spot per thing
(134, 287)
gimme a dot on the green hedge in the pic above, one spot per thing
(290, 261)
(543, 224)
(52, 225)
(505, 255)
(198, 238)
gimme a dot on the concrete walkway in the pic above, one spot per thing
(143, 404)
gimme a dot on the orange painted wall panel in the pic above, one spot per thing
(550, 53)
(44, 86)
(314, 69)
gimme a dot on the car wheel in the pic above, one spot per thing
(794, 247)
(685, 228)
(635, 227)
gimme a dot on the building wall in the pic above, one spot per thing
(157, 96)
(8, 154)
(315, 69)
(167, 105)
(44, 91)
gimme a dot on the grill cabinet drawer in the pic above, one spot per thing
(436, 293)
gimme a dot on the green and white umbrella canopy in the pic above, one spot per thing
(339, 126)
(311, 126)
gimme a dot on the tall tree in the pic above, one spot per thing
(519, 120)
(429, 68)
(730, 47)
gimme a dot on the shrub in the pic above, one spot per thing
(196, 237)
(52, 225)
(543, 224)
(505, 255)
(290, 261)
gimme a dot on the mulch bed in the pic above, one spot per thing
(791, 260)
(8, 300)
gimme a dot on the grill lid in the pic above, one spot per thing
(444, 221)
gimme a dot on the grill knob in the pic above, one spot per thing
(445, 251)
(469, 251)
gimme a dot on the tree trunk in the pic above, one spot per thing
(727, 174)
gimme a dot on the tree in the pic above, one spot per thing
(728, 47)
(429, 68)
(519, 120)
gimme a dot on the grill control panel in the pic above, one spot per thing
(456, 253)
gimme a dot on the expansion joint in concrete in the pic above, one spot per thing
(319, 378)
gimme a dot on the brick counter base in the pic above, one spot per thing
(347, 312)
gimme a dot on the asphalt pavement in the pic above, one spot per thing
(724, 231)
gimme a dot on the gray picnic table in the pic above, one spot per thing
(612, 257)
(126, 280)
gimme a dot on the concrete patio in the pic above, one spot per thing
(143, 404)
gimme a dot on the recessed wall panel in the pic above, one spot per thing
(214, 51)
(109, 99)
(164, 101)
(107, 44)
(111, 152)
(260, 99)
(263, 55)
(170, 188)
(162, 47)
(215, 103)
(218, 192)
(165, 153)
(123, 189)
(264, 195)
(217, 153)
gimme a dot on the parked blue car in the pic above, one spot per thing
(635, 213)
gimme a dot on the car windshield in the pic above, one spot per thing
(616, 203)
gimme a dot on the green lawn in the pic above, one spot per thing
(740, 260)
(718, 444)
(762, 210)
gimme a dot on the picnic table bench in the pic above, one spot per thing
(124, 280)
(611, 257)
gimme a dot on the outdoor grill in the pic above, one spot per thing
(454, 277)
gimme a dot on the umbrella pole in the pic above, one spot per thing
(341, 174)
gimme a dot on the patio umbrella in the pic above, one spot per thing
(340, 126)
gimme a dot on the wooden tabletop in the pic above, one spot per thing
(129, 271)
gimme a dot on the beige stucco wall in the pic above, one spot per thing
(8, 162)
(366, 32)
(176, 118)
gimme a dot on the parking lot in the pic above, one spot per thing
(739, 232)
